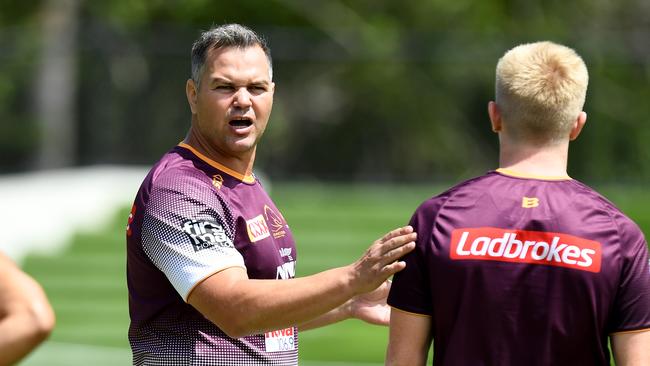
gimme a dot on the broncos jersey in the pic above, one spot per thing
(519, 270)
(192, 218)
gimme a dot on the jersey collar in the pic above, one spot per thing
(244, 178)
(512, 173)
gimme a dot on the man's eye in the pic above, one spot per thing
(257, 89)
(224, 87)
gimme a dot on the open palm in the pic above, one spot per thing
(371, 307)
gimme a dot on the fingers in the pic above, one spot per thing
(399, 250)
(395, 242)
(393, 268)
(397, 232)
(393, 246)
(380, 261)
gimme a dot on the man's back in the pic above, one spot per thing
(517, 270)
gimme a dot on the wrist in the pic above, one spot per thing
(347, 309)
(350, 281)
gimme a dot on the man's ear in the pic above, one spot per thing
(577, 126)
(495, 116)
(191, 93)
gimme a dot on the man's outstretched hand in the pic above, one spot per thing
(371, 307)
(380, 261)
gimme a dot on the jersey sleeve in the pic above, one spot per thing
(632, 304)
(188, 230)
(410, 290)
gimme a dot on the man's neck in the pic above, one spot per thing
(549, 161)
(241, 164)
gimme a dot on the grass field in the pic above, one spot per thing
(332, 224)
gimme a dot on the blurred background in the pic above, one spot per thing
(366, 90)
(378, 103)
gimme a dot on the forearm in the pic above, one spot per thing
(26, 317)
(255, 306)
(242, 306)
(19, 334)
(335, 315)
(271, 305)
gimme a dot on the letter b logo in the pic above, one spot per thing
(529, 202)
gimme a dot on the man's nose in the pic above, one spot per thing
(242, 98)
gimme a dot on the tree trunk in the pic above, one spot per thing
(56, 85)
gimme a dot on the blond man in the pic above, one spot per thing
(524, 265)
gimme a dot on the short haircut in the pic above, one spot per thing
(540, 91)
(224, 36)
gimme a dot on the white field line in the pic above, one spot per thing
(40, 211)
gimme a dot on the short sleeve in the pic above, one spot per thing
(188, 230)
(632, 304)
(411, 290)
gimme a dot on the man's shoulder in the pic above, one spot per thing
(467, 190)
(174, 167)
(597, 202)
(177, 174)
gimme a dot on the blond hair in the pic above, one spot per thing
(540, 91)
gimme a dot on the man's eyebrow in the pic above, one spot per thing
(260, 82)
(220, 80)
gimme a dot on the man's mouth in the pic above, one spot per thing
(240, 122)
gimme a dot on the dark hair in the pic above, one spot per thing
(223, 36)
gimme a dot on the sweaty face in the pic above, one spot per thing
(233, 103)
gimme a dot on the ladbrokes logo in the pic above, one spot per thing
(536, 247)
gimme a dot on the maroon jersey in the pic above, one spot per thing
(193, 217)
(524, 271)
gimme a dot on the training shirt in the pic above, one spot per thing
(193, 217)
(524, 271)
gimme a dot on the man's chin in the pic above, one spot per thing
(242, 146)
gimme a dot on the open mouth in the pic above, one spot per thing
(240, 122)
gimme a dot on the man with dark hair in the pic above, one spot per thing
(211, 259)
(524, 265)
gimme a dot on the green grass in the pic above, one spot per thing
(332, 225)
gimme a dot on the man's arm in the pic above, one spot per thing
(241, 306)
(409, 340)
(631, 349)
(26, 317)
(370, 307)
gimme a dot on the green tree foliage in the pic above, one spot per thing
(18, 130)
(366, 89)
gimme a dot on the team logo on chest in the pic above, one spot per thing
(270, 223)
(276, 221)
